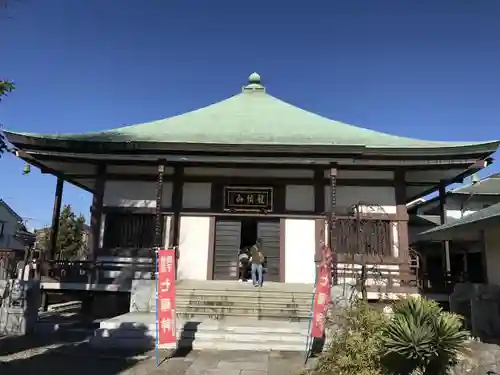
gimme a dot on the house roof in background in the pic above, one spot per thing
(490, 185)
(11, 210)
(487, 186)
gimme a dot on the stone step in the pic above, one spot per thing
(211, 335)
(220, 307)
(147, 322)
(217, 315)
(244, 293)
(245, 303)
(282, 299)
(250, 310)
(243, 306)
(148, 343)
(235, 288)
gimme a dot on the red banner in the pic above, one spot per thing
(165, 303)
(322, 297)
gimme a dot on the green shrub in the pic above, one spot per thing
(354, 348)
(421, 338)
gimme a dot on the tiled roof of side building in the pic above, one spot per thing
(488, 213)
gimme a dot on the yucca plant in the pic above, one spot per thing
(421, 338)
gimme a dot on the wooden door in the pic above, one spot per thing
(269, 232)
(227, 244)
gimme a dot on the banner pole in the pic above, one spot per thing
(311, 312)
(157, 342)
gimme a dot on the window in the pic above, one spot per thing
(130, 231)
(373, 236)
(2, 226)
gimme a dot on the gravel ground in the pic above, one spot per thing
(62, 356)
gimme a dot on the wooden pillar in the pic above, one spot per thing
(332, 221)
(442, 216)
(159, 203)
(176, 204)
(175, 223)
(96, 210)
(483, 257)
(87, 308)
(56, 213)
(402, 216)
(402, 227)
(319, 192)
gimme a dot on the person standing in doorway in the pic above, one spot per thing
(257, 263)
(244, 259)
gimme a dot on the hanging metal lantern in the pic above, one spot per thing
(26, 169)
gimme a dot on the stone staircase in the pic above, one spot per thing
(222, 316)
(220, 300)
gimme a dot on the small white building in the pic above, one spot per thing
(250, 166)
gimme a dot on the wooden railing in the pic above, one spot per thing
(371, 236)
(382, 275)
(95, 272)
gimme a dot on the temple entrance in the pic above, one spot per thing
(248, 232)
(232, 235)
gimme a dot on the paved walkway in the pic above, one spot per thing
(234, 363)
(80, 359)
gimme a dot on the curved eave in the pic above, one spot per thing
(33, 141)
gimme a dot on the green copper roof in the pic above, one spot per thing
(252, 117)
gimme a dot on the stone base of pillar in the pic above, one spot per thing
(19, 304)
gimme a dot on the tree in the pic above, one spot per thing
(70, 239)
(5, 88)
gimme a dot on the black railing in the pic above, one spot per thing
(95, 272)
(440, 283)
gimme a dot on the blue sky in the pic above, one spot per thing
(426, 69)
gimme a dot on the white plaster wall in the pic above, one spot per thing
(380, 199)
(457, 214)
(196, 195)
(300, 238)
(193, 247)
(492, 252)
(135, 194)
(300, 198)
(395, 240)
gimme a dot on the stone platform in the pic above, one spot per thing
(138, 331)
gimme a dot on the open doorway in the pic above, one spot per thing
(248, 238)
(248, 233)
